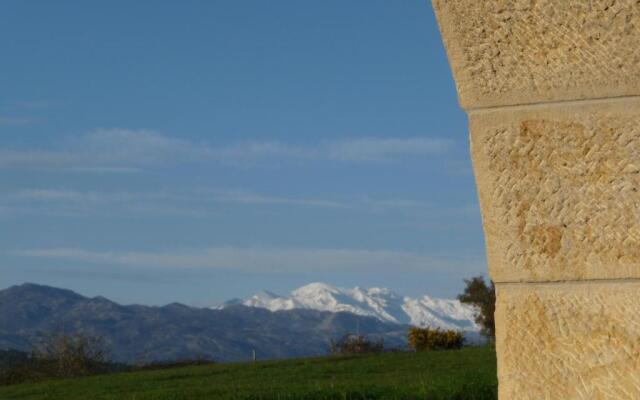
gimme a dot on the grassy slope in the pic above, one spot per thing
(465, 374)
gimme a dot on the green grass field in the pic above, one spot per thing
(468, 374)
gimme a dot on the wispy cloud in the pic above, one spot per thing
(259, 259)
(47, 195)
(386, 150)
(5, 120)
(125, 150)
(122, 146)
(70, 203)
(105, 170)
(35, 104)
(107, 150)
(360, 150)
(241, 197)
(197, 203)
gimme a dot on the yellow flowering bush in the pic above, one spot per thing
(421, 339)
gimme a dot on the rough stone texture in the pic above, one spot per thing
(569, 341)
(527, 51)
(559, 188)
(552, 88)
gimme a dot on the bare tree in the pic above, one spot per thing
(71, 355)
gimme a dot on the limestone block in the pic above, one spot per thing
(506, 52)
(568, 341)
(559, 189)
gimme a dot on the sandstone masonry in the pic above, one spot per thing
(552, 89)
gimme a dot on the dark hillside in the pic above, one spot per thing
(175, 331)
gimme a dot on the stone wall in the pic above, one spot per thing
(552, 90)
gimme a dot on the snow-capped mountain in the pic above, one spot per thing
(381, 303)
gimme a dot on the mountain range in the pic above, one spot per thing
(380, 303)
(136, 333)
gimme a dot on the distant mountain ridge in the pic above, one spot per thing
(175, 331)
(380, 303)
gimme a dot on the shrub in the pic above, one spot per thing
(168, 364)
(13, 366)
(421, 339)
(356, 344)
(10, 358)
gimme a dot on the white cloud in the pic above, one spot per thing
(240, 197)
(115, 150)
(249, 153)
(259, 259)
(49, 195)
(4, 120)
(124, 150)
(140, 147)
(188, 203)
(35, 159)
(70, 203)
(360, 150)
(44, 194)
(36, 105)
(105, 170)
(385, 150)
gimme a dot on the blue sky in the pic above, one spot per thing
(196, 151)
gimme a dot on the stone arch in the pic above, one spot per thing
(552, 91)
